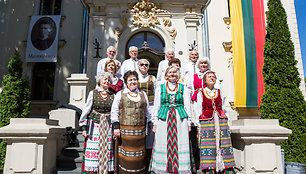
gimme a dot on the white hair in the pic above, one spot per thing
(110, 47)
(203, 59)
(132, 47)
(100, 76)
(170, 50)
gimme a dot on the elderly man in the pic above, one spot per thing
(131, 63)
(111, 53)
(163, 65)
(191, 67)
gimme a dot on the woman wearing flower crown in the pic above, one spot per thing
(216, 152)
(96, 127)
(171, 151)
(129, 116)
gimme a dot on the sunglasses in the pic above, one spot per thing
(144, 64)
(112, 51)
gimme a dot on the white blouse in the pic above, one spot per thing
(162, 66)
(89, 103)
(116, 103)
(115, 80)
(198, 104)
(157, 102)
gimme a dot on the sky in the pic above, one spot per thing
(300, 6)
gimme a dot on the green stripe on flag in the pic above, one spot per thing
(250, 53)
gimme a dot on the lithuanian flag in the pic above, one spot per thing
(248, 33)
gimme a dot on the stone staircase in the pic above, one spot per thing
(70, 160)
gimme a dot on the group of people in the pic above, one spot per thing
(135, 123)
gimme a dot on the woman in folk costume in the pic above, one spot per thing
(130, 114)
(171, 151)
(147, 83)
(96, 128)
(203, 65)
(216, 152)
(110, 66)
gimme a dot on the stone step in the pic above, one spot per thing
(73, 152)
(65, 171)
(68, 162)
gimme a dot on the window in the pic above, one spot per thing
(150, 46)
(50, 7)
(43, 73)
(153, 40)
(43, 81)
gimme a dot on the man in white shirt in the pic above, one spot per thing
(163, 65)
(191, 67)
(131, 63)
(111, 53)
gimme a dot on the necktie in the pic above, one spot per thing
(134, 62)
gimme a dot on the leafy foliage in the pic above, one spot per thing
(14, 98)
(283, 99)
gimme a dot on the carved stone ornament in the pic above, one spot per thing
(171, 30)
(145, 14)
(118, 33)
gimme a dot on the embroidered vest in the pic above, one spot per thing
(148, 87)
(165, 105)
(198, 84)
(210, 105)
(115, 88)
(100, 106)
(132, 113)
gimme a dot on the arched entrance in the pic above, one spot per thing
(150, 46)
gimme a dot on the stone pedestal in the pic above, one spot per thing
(66, 117)
(78, 89)
(256, 145)
(32, 145)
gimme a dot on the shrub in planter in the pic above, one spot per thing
(14, 98)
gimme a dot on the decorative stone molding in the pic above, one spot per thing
(118, 33)
(227, 21)
(171, 30)
(98, 20)
(145, 14)
(228, 47)
(124, 22)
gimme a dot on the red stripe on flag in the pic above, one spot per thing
(260, 32)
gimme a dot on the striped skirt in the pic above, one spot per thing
(216, 151)
(91, 151)
(131, 149)
(160, 155)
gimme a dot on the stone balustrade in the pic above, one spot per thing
(256, 144)
(32, 145)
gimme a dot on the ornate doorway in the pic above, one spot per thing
(150, 46)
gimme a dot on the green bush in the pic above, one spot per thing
(283, 99)
(14, 98)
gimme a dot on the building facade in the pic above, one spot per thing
(88, 27)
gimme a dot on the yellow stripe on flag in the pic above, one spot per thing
(238, 53)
